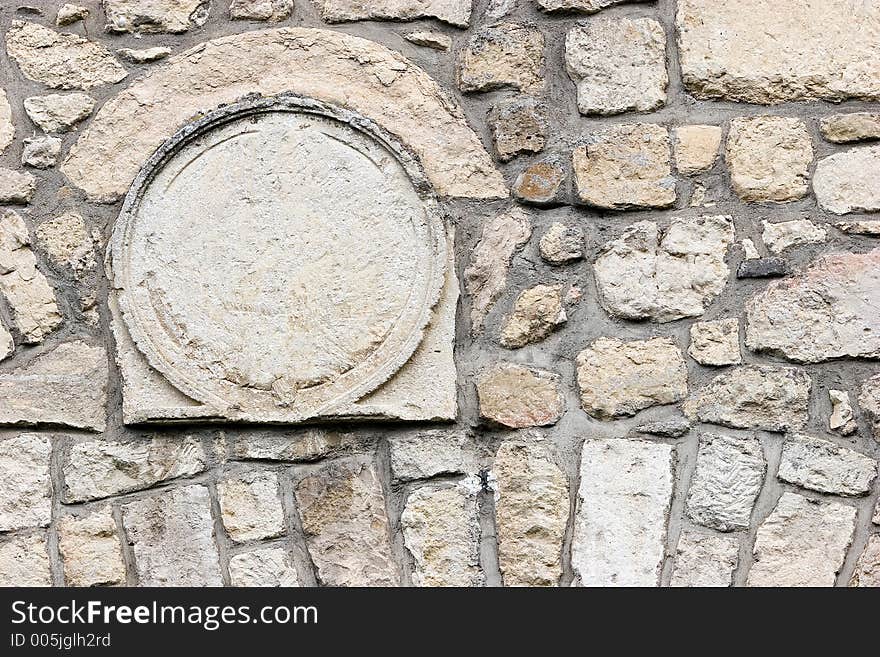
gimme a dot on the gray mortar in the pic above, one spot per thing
(586, 321)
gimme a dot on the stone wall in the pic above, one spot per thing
(662, 366)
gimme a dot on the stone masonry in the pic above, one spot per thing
(531, 293)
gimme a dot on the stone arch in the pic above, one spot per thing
(336, 68)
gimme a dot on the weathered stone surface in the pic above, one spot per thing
(842, 419)
(696, 147)
(754, 397)
(26, 290)
(306, 445)
(58, 112)
(70, 13)
(716, 342)
(531, 513)
(24, 561)
(41, 152)
(261, 10)
(802, 543)
(561, 244)
(867, 572)
(486, 275)
(869, 400)
(172, 536)
(726, 483)
(622, 508)
(541, 183)
(332, 67)
(827, 311)
(94, 469)
(772, 267)
(846, 128)
(433, 40)
(7, 128)
(518, 126)
(342, 507)
(426, 454)
(174, 16)
(264, 567)
(505, 55)
(68, 244)
(769, 158)
(66, 386)
(785, 234)
(7, 346)
(250, 506)
(366, 291)
(517, 396)
(876, 517)
(845, 182)
(704, 560)
(625, 167)
(618, 65)
(454, 12)
(664, 276)
(868, 227)
(826, 467)
(16, 186)
(26, 490)
(673, 428)
(621, 378)
(584, 6)
(753, 52)
(145, 55)
(441, 530)
(537, 312)
(91, 549)
(61, 61)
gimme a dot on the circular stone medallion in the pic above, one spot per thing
(277, 262)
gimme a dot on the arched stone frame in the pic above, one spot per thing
(345, 72)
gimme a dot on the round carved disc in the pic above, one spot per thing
(278, 260)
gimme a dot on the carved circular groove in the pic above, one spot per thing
(279, 258)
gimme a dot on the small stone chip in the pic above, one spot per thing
(772, 267)
(454, 12)
(842, 419)
(506, 55)
(541, 183)
(144, 56)
(769, 158)
(517, 396)
(618, 65)
(537, 312)
(41, 152)
(433, 40)
(518, 126)
(69, 14)
(7, 346)
(173, 16)
(7, 128)
(261, 10)
(562, 244)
